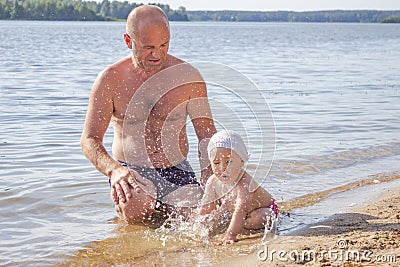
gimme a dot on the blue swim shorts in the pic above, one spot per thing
(167, 180)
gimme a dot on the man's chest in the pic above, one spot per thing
(142, 106)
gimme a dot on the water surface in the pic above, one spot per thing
(333, 90)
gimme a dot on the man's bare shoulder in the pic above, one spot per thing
(172, 61)
(179, 63)
(117, 69)
(111, 77)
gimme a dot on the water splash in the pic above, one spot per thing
(206, 229)
(180, 228)
(271, 229)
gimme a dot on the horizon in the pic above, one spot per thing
(238, 10)
(283, 5)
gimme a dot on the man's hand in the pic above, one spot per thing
(122, 180)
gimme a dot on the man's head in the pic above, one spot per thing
(147, 34)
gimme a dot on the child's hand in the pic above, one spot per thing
(228, 240)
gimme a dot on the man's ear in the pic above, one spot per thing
(128, 40)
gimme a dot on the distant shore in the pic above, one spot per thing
(67, 10)
(364, 236)
(323, 16)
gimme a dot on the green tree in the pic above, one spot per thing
(75, 10)
(105, 8)
(391, 19)
(17, 11)
(4, 10)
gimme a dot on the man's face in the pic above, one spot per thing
(150, 47)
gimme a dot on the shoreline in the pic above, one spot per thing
(355, 222)
(365, 235)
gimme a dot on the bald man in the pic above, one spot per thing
(148, 97)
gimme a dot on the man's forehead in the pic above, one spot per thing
(152, 39)
(150, 29)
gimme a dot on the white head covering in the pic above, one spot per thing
(228, 139)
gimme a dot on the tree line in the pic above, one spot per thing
(392, 19)
(76, 10)
(370, 16)
(118, 10)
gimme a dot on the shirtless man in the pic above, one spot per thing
(148, 96)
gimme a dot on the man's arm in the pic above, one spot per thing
(98, 116)
(205, 130)
(200, 114)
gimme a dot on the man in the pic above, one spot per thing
(148, 96)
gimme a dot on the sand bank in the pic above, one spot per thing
(368, 235)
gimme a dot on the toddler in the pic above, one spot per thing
(230, 184)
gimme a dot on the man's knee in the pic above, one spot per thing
(136, 209)
(185, 196)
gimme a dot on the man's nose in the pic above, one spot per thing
(156, 52)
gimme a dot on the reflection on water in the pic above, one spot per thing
(333, 90)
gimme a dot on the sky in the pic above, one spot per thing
(289, 5)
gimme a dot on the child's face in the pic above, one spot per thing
(226, 165)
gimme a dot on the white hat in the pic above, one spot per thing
(228, 139)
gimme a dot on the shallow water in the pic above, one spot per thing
(333, 90)
(335, 203)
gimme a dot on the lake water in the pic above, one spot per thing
(333, 91)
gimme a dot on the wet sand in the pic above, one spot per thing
(368, 235)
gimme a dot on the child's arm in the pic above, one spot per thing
(207, 208)
(208, 202)
(243, 200)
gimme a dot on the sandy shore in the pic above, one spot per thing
(363, 236)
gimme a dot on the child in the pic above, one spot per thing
(230, 184)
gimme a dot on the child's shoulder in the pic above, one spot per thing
(246, 179)
(247, 182)
(211, 180)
